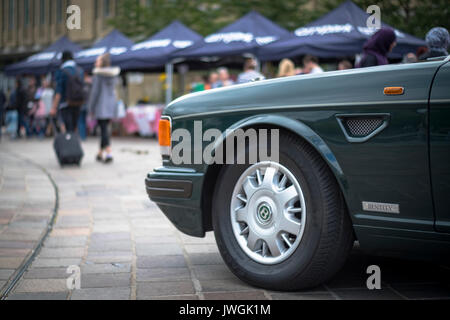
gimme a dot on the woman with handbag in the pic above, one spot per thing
(102, 103)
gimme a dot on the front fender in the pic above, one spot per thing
(301, 130)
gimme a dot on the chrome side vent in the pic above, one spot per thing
(362, 127)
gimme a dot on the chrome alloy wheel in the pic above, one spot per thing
(268, 213)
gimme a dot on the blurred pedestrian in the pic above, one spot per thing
(409, 58)
(421, 51)
(213, 80)
(286, 68)
(31, 106)
(250, 73)
(224, 78)
(43, 106)
(311, 65)
(377, 48)
(69, 95)
(345, 65)
(103, 102)
(12, 115)
(82, 121)
(2, 110)
(198, 84)
(437, 40)
(20, 103)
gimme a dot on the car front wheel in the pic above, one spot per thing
(282, 226)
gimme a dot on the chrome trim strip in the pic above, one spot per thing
(202, 114)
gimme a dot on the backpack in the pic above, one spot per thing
(75, 94)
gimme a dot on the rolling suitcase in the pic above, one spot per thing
(68, 149)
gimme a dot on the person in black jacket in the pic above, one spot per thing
(2, 110)
(21, 105)
(437, 40)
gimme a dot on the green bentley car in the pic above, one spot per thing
(358, 155)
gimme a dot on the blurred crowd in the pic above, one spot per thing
(39, 106)
(44, 106)
(375, 53)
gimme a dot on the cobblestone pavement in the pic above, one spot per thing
(127, 249)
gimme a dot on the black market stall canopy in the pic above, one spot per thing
(115, 43)
(159, 49)
(245, 36)
(340, 33)
(45, 61)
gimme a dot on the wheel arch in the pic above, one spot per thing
(296, 127)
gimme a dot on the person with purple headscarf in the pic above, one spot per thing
(377, 48)
(437, 40)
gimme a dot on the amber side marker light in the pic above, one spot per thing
(394, 91)
(165, 136)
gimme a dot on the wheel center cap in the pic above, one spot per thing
(264, 213)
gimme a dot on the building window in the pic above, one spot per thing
(26, 12)
(11, 14)
(106, 8)
(59, 9)
(42, 12)
(4, 16)
(50, 11)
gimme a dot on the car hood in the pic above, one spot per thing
(330, 88)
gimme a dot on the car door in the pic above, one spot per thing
(440, 147)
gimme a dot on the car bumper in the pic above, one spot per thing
(177, 192)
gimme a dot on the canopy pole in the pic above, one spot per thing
(258, 65)
(169, 81)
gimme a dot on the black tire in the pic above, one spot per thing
(328, 235)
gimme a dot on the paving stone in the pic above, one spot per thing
(62, 253)
(65, 242)
(106, 268)
(161, 262)
(111, 228)
(21, 235)
(213, 272)
(176, 298)
(39, 296)
(46, 273)
(74, 212)
(70, 232)
(14, 252)
(5, 274)
(42, 285)
(224, 285)
(161, 274)
(10, 263)
(147, 290)
(153, 232)
(208, 239)
(97, 258)
(303, 296)
(158, 250)
(146, 240)
(106, 237)
(105, 280)
(206, 259)
(121, 245)
(55, 263)
(365, 294)
(101, 294)
(251, 295)
(73, 222)
(201, 248)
